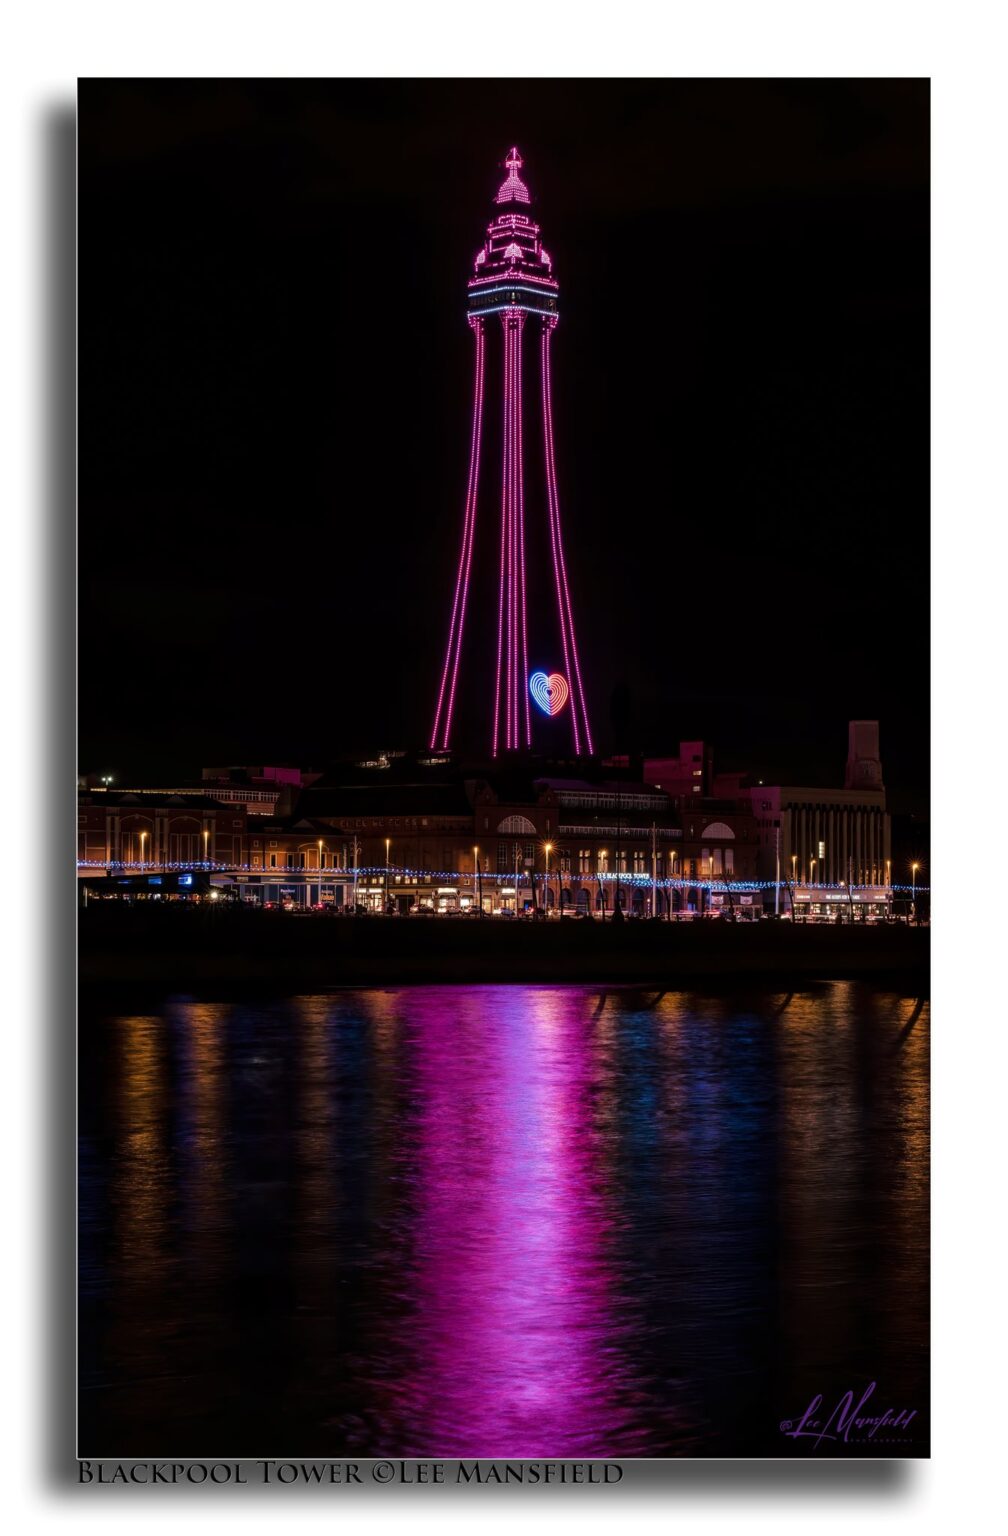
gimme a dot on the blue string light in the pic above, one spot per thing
(287, 874)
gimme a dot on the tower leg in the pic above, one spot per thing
(582, 729)
(511, 709)
(441, 733)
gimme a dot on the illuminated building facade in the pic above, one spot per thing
(833, 846)
(158, 828)
(512, 311)
(429, 832)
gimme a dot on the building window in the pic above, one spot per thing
(272, 861)
(584, 861)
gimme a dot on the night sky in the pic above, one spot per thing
(275, 374)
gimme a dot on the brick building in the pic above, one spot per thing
(157, 827)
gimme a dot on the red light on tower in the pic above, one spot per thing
(514, 280)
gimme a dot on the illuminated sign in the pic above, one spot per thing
(550, 693)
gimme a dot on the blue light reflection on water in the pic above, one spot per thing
(498, 1221)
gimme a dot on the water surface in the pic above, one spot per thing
(499, 1221)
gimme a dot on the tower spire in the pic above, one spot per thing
(513, 190)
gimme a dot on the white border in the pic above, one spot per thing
(963, 47)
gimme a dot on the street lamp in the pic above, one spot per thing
(478, 881)
(143, 839)
(388, 844)
(549, 850)
(603, 854)
(913, 890)
(206, 840)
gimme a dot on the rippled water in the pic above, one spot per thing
(499, 1221)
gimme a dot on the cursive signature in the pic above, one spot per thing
(849, 1422)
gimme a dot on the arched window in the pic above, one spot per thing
(517, 824)
(718, 829)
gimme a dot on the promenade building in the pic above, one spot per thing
(830, 847)
(431, 832)
(434, 833)
(157, 827)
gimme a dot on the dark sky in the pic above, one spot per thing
(274, 396)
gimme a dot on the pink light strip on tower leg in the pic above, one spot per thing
(510, 535)
(473, 493)
(501, 586)
(468, 528)
(551, 480)
(511, 538)
(560, 548)
(550, 493)
(520, 479)
(513, 527)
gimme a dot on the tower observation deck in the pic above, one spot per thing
(513, 269)
(513, 278)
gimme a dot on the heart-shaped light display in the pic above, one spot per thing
(550, 693)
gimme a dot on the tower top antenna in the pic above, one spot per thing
(514, 189)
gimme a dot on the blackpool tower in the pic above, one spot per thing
(512, 299)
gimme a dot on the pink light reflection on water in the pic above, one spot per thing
(511, 1337)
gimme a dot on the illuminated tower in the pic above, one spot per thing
(514, 281)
